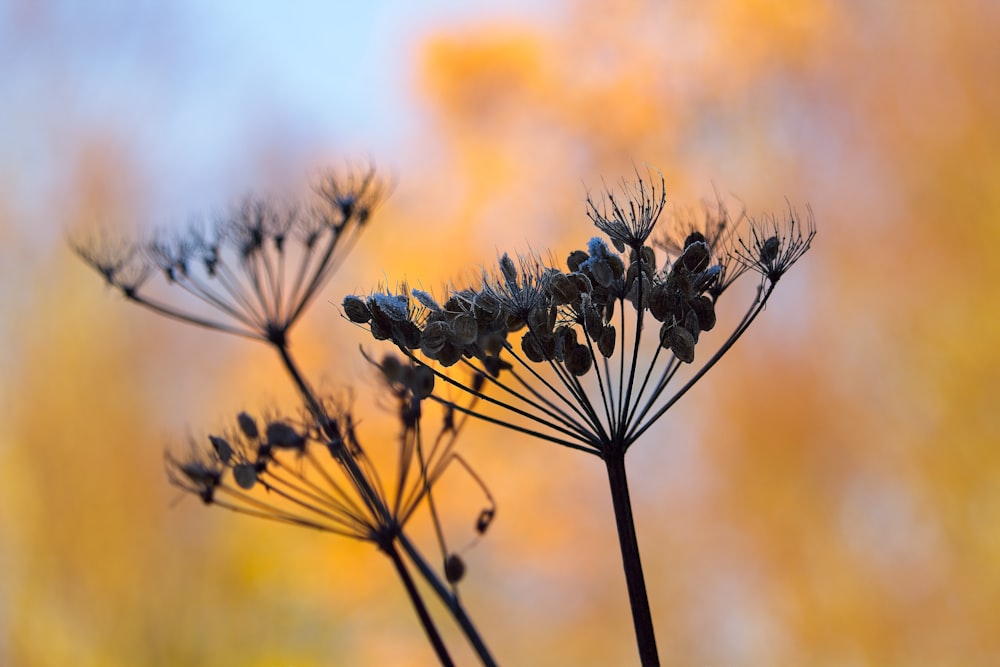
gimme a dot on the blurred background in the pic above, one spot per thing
(829, 495)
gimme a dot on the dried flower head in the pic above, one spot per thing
(562, 350)
(254, 270)
(120, 263)
(772, 246)
(628, 218)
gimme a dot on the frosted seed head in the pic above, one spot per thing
(425, 299)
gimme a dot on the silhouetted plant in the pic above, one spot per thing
(253, 273)
(589, 357)
(562, 353)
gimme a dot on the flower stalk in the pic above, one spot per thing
(565, 354)
(253, 275)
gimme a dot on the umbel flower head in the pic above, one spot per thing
(254, 270)
(563, 351)
(290, 470)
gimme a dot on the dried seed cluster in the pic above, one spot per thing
(255, 269)
(579, 320)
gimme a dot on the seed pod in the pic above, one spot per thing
(694, 237)
(425, 299)
(449, 354)
(514, 322)
(406, 334)
(485, 519)
(562, 290)
(492, 342)
(393, 369)
(704, 308)
(356, 310)
(454, 569)
(617, 265)
(380, 324)
(575, 259)
(578, 360)
(661, 303)
(678, 340)
(433, 338)
(648, 257)
(606, 343)
(769, 250)
(248, 425)
(465, 329)
(679, 281)
(280, 434)
(566, 340)
(508, 269)
(222, 448)
(421, 381)
(486, 302)
(639, 291)
(602, 272)
(377, 332)
(245, 475)
(691, 324)
(593, 323)
(582, 282)
(695, 258)
(541, 320)
(532, 347)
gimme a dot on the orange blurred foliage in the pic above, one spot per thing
(829, 495)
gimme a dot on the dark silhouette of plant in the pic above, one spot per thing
(563, 353)
(589, 357)
(253, 274)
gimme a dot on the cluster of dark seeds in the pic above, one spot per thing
(565, 317)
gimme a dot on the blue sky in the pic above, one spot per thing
(196, 96)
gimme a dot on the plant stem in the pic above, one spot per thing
(454, 606)
(418, 603)
(375, 502)
(641, 617)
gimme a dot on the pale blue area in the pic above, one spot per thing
(198, 96)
